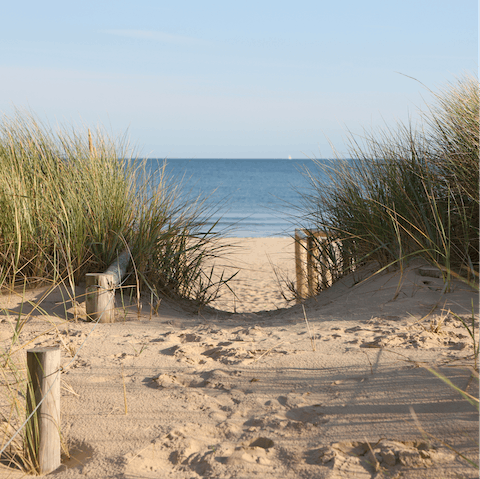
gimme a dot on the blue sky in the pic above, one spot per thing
(224, 79)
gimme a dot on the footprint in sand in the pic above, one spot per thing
(362, 459)
(286, 413)
(250, 455)
(291, 400)
(308, 414)
(226, 352)
(190, 338)
(79, 454)
(253, 331)
(177, 380)
(182, 452)
(215, 379)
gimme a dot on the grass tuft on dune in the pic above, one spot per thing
(71, 201)
(410, 191)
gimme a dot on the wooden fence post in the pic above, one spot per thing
(100, 297)
(311, 271)
(100, 290)
(300, 275)
(43, 429)
(312, 260)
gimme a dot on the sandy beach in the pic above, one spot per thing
(250, 388)
(261, 265)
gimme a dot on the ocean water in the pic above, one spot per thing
(258, 198)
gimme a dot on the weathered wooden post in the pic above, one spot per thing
(308, 277)
(323, 274)
(100, 290)
(100, 297)
(312, 255)
(300, 276)
(43, 429)
(337, 246)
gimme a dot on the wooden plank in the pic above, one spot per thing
(43, 430)
(118, 268)
(430, 271)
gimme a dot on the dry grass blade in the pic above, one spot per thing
(268, 351)
(124, 392)
(311, 334)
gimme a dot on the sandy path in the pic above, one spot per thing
(258, 394)
(256, 286)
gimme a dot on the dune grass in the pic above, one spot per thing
(71, 201)
(408, 192)
(411, 191)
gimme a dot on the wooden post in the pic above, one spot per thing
(309, 276)
(100, 297)
(301, 287)
(338, 260)
(312, 273)
(100, 290)
(43, 429)
(322, 265)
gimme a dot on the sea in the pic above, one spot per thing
(246, 197)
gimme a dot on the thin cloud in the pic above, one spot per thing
(156, 36)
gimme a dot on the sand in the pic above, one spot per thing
(262, 393)
(261, 266)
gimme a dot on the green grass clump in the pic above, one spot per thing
(70, 203)
(411, 191)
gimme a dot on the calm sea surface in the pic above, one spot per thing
(257, 196)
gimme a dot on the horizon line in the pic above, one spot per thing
(220, 158)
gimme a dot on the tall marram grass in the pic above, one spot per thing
(411, 191)
(70, 202)
(408, 191)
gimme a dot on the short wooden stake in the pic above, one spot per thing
(43, 429)
(100, 297)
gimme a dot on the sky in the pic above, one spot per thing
(233, 79)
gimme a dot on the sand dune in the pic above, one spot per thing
(263, 393)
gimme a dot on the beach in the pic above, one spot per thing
(254, 386)
(262, 266)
